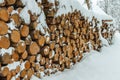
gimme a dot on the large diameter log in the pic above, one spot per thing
(4, 14)
(4, 42)
(16, 19)
(15, 36)
(3, 28)
(24, 31)
(34, 48)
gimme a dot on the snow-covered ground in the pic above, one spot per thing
(104, 65)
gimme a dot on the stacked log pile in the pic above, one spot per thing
(71, 35)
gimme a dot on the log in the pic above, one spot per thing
(16, 19)
(23, 73)
(15, 56)
(52, 28)
(67, 63)
(56, 57)
(10, 2)
(30, 72)
(5, 71)
(13, 72)
(52, 45)
(4, 42)
(41, 41)
(34, 48)
(9, 76)
(51, 54)
(47, 39)
(35, 34)
(24, 31)
(15, 36)
(3, 28)
(10, 9)
(31, 59)
(21, 47)
(45, 51)
(6, 58)
(24, 55)
(27, 65)
(66, 32)
(42, 61)
(17, 70)
(4, 15)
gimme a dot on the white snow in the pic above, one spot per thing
(32, 6)
(104, 65)
(1, 1)
(9, 50)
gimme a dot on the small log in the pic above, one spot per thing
(15, 56)
(19, 3)
(38, 57)
(41, 41)
(56, 57)
(35, 34)
(34, 48)
(28, 40)
(10, 2)
(5, 71)
(24, 31)
(52, 45)
(18, 78)
(17, 70)
(19, 10)
(13, 72)
(51, 54)
(3, 28)
(15, 36)
(66, 32)
(61, 59)
(6, 58)
(23, 73)
(32, 58)
(47, 39)
(27, 65)
(4, 15)
(42, 61)
(45, 51)
(9, 76)
(67, 63)
(4, 42)
(52, 28)
(30, 72)
(21, 47)
(10, 9)
(24, 55)
(16, 19)
(52, 36)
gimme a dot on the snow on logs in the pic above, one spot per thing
(70, 35)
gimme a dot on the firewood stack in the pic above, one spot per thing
(71, 35)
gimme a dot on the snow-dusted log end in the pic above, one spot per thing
(42, 37)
